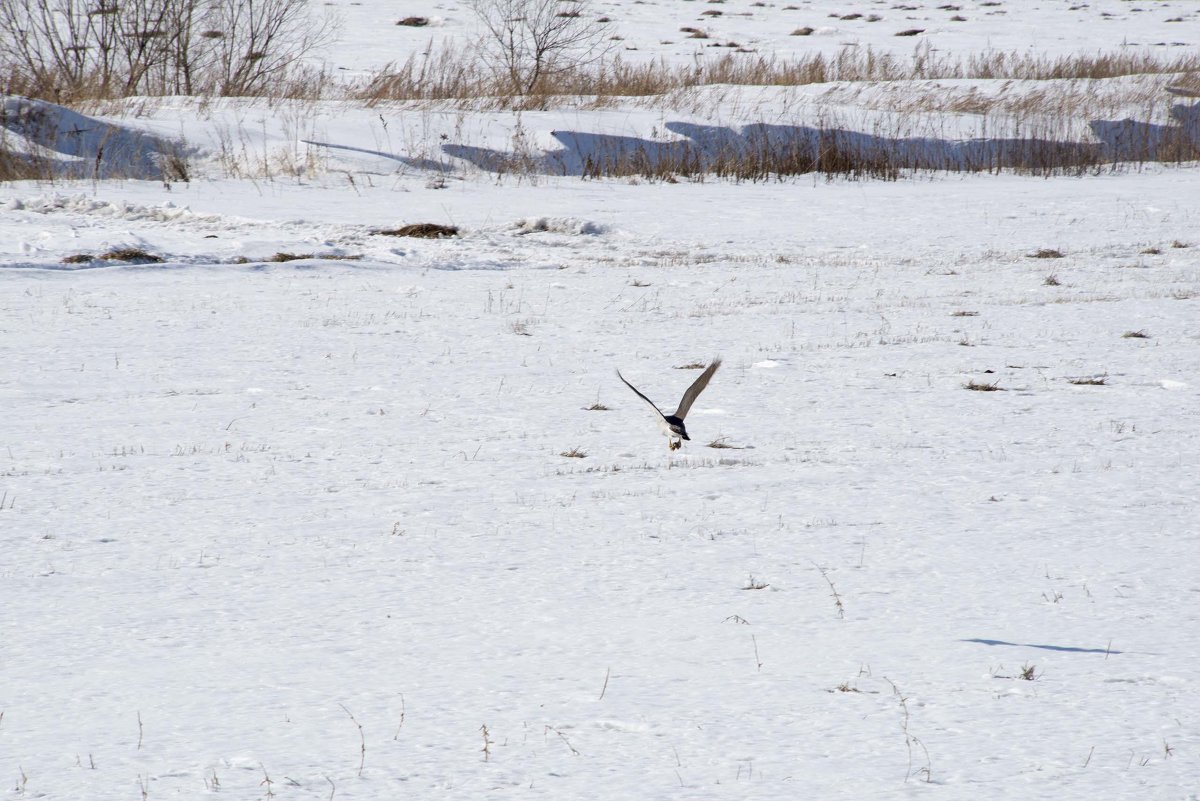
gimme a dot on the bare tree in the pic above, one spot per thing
(102, 48)
(528, 42)
(259, 41)
(52, 42)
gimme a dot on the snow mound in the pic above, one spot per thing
(572, 226)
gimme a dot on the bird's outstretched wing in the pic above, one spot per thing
(640, 395)
(695, 389)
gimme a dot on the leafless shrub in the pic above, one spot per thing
(1140, 334)
(980, 386)
(1051, 280)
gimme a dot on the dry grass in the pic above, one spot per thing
(980, 386)
(833, 154)
(19, 167)
(1139, 334)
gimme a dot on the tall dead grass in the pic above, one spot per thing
(456, 75)
(839, 154)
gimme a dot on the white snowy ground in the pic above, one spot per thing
(240, 497)
(306, 529)
(650, 29)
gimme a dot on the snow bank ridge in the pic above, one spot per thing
(82, 204)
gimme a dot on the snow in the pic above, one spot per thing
(307, 529)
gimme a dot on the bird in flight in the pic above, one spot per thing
(672, 424)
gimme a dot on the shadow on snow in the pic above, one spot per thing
(1062, 648)
(68, 144)
(760, 150)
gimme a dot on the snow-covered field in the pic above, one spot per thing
(309, 529)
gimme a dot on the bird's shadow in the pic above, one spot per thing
(1062, 648)
(410, 161)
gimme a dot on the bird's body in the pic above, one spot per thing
(672, 424)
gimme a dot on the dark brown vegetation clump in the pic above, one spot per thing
(131, 255)
(1046, 253)
(423, 230)
(283, 257)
